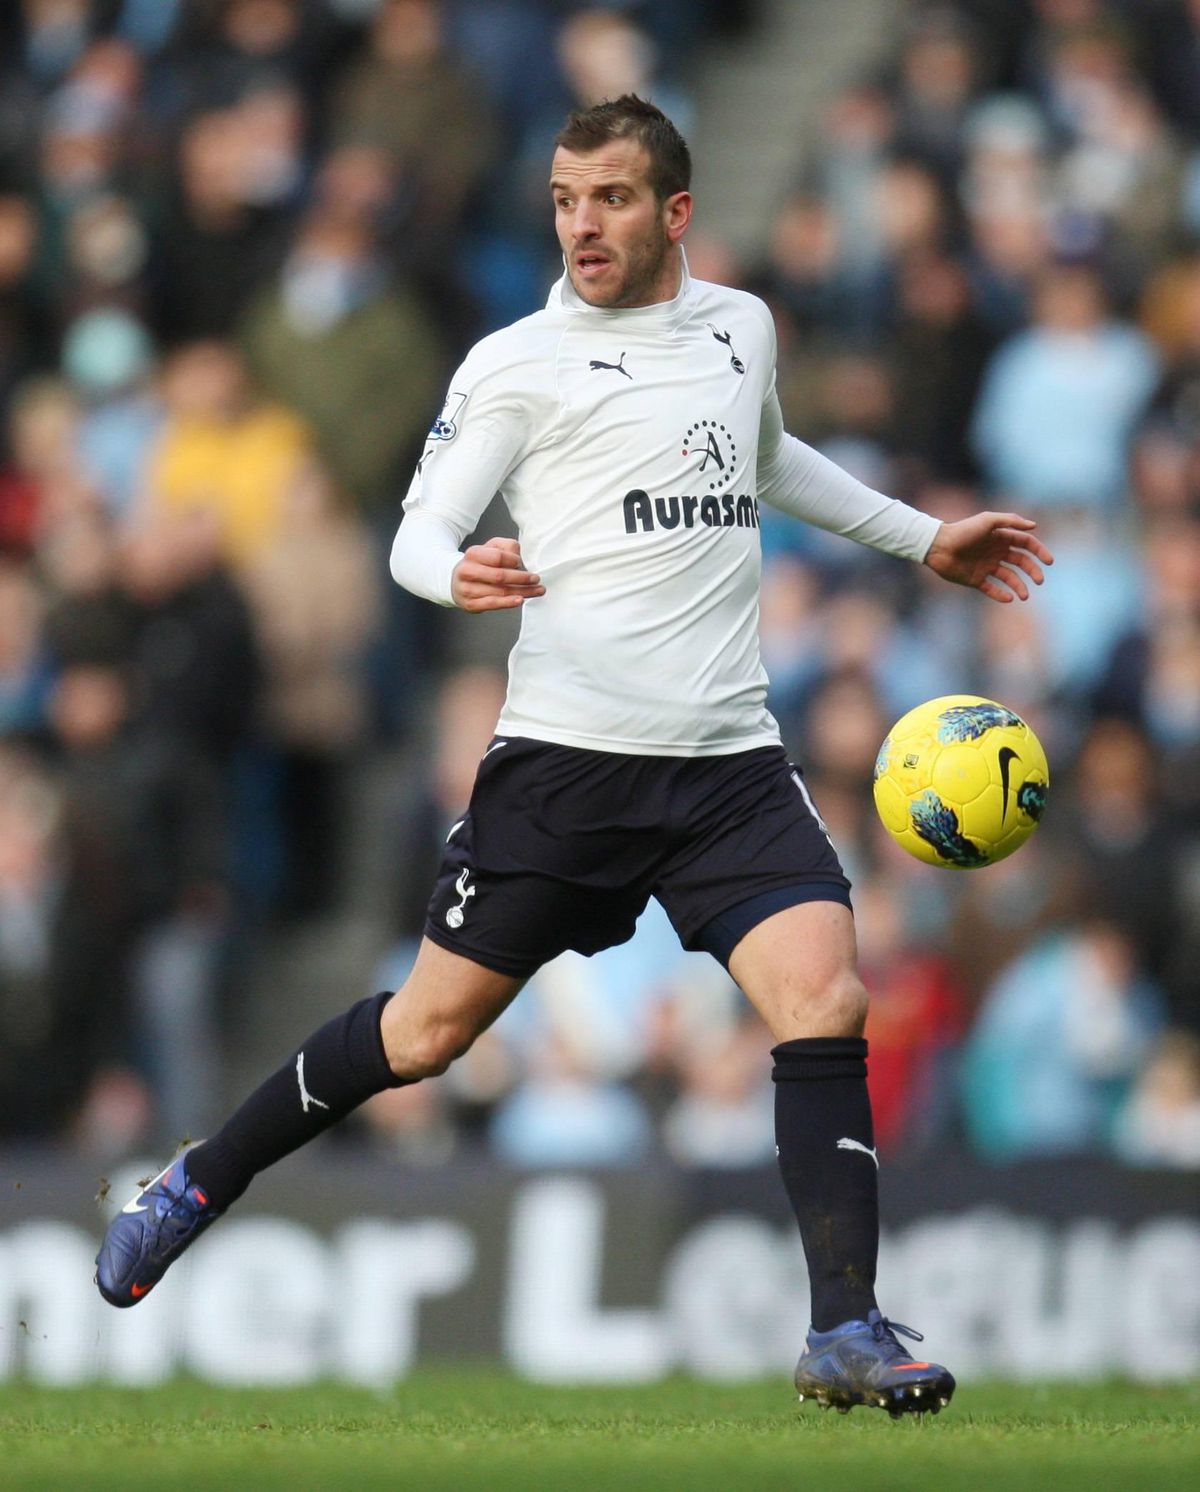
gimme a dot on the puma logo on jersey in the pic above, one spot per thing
(617, 367)
(456, 915)
(855, 1145)
(735, 362)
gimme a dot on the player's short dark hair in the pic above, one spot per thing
(633, 118)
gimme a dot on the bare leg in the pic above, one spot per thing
(443, 1005)
(798, 968)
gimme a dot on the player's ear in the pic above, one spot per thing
(677, 214)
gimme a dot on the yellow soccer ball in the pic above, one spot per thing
(961, 782)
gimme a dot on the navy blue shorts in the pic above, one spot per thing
(562, 848)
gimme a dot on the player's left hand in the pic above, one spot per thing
(992, 552)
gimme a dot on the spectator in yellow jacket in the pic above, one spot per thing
(224, 451)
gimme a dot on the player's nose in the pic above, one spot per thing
(584, 224)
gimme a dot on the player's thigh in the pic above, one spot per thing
(799, 969)
(443, 1005)
(555, 851)
(752, 847)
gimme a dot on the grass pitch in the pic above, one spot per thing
(481, 1431)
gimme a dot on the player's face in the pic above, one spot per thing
(617, 238)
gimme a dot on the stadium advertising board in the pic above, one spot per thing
(356, 1270)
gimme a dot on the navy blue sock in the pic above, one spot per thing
(827, 1155)
(338, 1067)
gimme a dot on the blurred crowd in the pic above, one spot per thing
(243, 242)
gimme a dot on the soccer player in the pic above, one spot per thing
(633, 428)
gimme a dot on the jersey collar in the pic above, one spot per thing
(667, 313)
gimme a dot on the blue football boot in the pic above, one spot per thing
(149, 1234)
(861, 1362)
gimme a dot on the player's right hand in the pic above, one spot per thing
(492, 577)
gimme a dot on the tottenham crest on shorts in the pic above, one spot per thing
(456, 915)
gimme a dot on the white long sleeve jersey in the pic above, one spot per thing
(632, 448)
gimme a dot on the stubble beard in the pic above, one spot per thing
(637, 286)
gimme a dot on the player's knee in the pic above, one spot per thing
(429, 1051)
(843, 1006)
